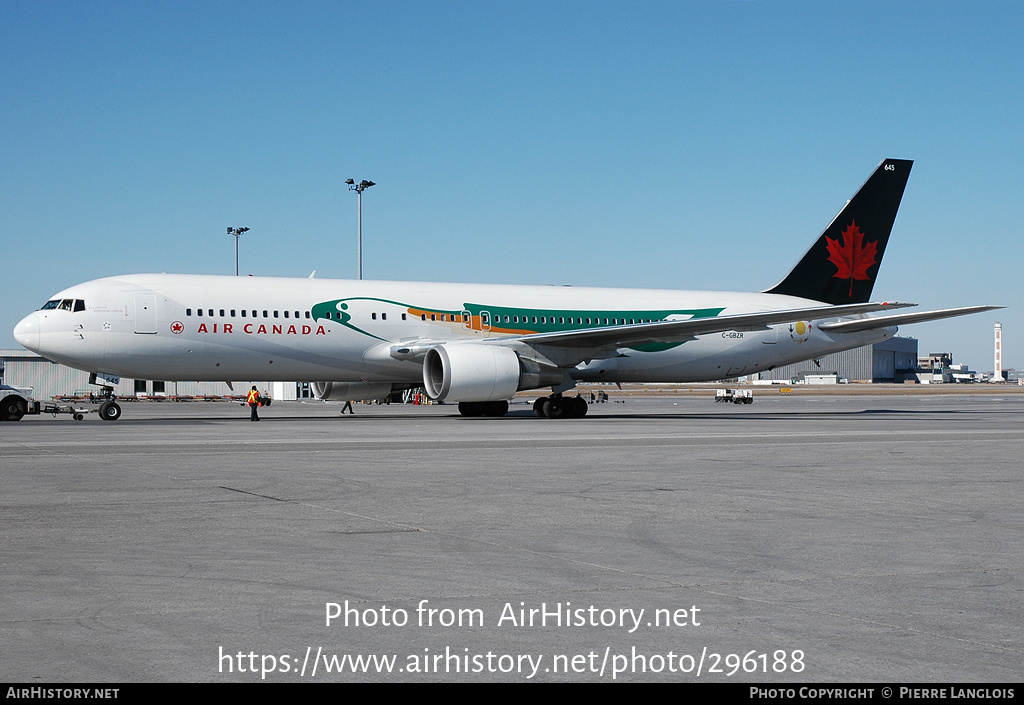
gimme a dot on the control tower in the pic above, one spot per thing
(997, 376)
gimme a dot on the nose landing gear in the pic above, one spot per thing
(110, 411)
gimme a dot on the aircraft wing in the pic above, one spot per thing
(680, 331)
(900, 319)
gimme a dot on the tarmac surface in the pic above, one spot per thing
(798, 539)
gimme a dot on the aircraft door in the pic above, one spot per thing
(145, 313)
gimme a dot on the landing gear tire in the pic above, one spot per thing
(110, 411)
(497, 408)
(554, 407)
(579, 408)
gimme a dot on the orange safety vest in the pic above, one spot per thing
(254, 397)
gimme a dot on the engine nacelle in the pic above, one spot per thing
(474, 372)
(349, 391)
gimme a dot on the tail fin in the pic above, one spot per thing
(841, 266)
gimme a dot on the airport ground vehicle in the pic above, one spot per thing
(736, 396)
(15, 403)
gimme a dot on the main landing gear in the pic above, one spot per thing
(553, 407)
(558, 407)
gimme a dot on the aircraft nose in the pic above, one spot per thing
(27, 332)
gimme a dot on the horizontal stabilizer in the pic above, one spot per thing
(900, 319)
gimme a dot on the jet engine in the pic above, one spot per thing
(349, 391)
(474, 372)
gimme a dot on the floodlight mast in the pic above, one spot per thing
(236, 232)
(359, 188)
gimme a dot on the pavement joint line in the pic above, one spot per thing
(717, 441)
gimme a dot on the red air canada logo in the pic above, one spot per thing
(177, 327)
(853, 257)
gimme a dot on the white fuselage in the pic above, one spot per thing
(207, 328)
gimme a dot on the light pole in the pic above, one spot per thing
(236, 232)
(359, 188)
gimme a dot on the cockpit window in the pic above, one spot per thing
(64, 305)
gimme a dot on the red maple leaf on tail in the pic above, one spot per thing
(853, 257)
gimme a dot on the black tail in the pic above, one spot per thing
(841, 266)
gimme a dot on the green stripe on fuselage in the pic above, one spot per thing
(510, 320)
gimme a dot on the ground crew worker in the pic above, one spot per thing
(253, 400)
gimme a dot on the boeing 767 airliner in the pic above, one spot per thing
(479, 344)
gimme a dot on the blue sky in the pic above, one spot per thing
(689, 145)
